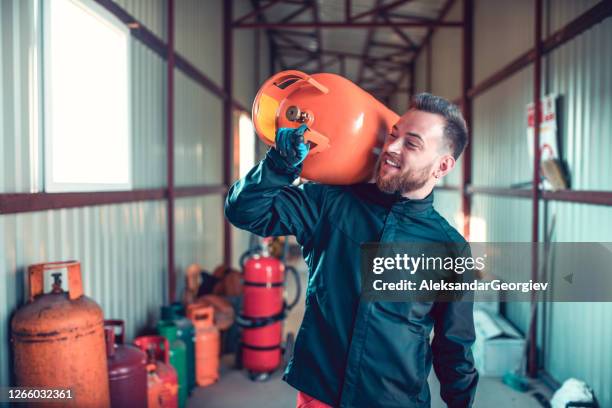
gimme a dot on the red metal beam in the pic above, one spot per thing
(194, 191)
(466, 105)
(535, 190)
(579, 196)
(380, 9)
(228, 69)
(170, 152)
(398, 31)
(14, 203)
(343, 24)
(255, 12)
(499, 191)
(347, 10)
(394, 46)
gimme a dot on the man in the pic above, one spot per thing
(349, 352)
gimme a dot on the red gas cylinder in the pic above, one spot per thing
(127, 372)
(163, 379)
(263, 310)
(346, 124)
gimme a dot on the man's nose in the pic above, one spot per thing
(395, 146)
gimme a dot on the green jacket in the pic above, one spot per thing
(349, 352)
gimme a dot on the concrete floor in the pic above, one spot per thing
(235, 390)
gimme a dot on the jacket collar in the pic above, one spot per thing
(370, 192)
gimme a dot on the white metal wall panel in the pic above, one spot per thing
(19, 129)
(579, 329)
(579, 72)
(121, 249)
(561, 12)
(245, 84)
(448, 204)
(503, 30)
(148, 88)
(199, 33)
(446, 57)
(198, 234)
(198, 134)
(499, 131)
(150, 13)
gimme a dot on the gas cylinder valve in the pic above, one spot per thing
(294, 114)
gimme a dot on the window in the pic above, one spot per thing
(86, 113)
(246, 144)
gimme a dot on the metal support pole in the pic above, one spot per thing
(428, 66)
(411, 84)
(535, 190)
(228, 70)
(466, 105)
(170, 153)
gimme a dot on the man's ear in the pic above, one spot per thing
(447, 163)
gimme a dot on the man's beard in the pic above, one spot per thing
(404, 182)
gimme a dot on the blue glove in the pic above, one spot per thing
(290, 145)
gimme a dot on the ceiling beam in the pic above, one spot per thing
(256, 11)
(343, 24)
(380, 9)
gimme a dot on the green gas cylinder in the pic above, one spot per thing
(178, 357)
(186, 331)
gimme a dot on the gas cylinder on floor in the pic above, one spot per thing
(58, 339)
(127, 371)
(162, 380)
(207, 344)
(175, 313)
(263, 310)
(178, 357)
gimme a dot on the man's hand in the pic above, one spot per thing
(290, 144)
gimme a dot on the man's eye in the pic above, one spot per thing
(410, 145)
(392, 136)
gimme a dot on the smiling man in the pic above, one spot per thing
(350, 352)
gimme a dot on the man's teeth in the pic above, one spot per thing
(390, 163)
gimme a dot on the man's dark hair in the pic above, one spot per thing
(455, 130)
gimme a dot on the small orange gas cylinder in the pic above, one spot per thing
(58, 339)
(346, 125)
(207, 344)
(162, 384)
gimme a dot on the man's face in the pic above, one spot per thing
(414, 153)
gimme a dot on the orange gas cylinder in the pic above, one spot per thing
(207, 344)
(58, 339)
(162, 384)
(346, 124)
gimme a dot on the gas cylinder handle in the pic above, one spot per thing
(112, 324)
(320, 141)
(36, 278)
(288, 75)
(109, 336)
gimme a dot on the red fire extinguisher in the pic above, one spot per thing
(263, 310)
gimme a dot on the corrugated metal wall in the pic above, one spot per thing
(579, 71)
(122, 247)
(573, 336)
